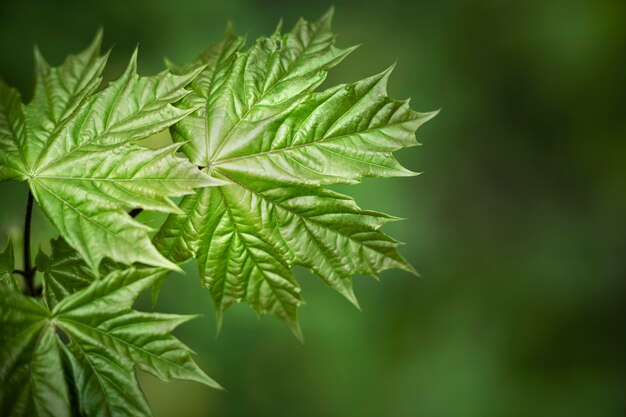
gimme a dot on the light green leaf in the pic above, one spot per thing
(217, 59)
(276, 141)
(7, 266)
(101, 339)
(336, 136)
(60, 91)
(75, 145)
(12, 134)
(241, 93)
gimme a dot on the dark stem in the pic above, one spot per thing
(29, 271)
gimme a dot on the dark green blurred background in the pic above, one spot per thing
(517, 224)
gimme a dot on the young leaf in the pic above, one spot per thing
(276, 141)
(75, 146)
(100, 339)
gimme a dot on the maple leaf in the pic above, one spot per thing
(88, 346)
(75, 145)
(261, 125)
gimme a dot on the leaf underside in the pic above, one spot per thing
(261, 125)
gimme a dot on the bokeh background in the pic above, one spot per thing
(517, 225)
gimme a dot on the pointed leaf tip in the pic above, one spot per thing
(328, 15)
(230, 28)
(348, 292)
(131, 68)
(296, 330)
(96, 43)
(279, 28)
(219, 320)
(41, 65)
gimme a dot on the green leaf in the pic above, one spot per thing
(276, 141)
(75, 145)
(240, 93)
(7, 266)
(31, 374)
(12, 127)
(336, 136)
(100, 339)
(65, 272)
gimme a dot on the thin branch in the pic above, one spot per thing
(29, 271)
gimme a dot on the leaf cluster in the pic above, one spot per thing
(256, 142)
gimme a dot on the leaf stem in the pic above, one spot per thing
(29, 271)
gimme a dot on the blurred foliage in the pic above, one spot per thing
(517, 224)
